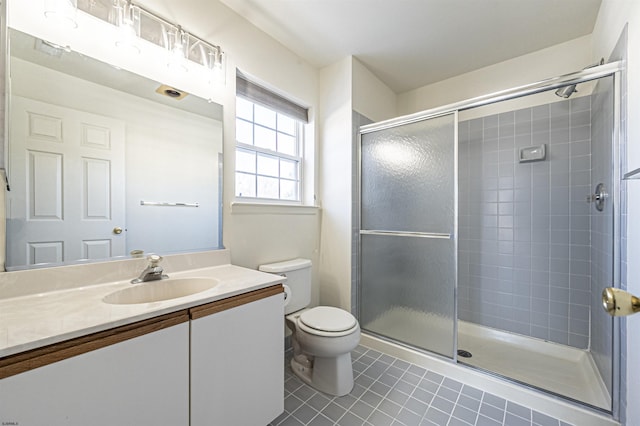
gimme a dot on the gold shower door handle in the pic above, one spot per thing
(619, 303)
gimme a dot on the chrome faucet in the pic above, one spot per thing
(152, 272)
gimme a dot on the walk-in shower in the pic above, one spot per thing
(479, 236)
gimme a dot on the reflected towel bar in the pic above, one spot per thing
(161, 204)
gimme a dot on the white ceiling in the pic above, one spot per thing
(411, 43)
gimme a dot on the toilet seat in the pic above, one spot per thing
(327, 321)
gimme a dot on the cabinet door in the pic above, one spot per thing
(141, 381)
(237, 365)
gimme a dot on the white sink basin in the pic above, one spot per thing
(156, 291)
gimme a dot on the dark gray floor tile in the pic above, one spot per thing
(380, 388)
(389, 407)
(428, 385)
(371, 398)
(457, 422)
(411, 378)
(423, 395)
(468, 402)
(291, 421)
(321, 420)
(378, 418)
(519, 410)
(465, 414)
(544, 420)
(436, 416)
(305, 392)
(496, 401)
(416, 406)
(405, 387)
(452, 384)
(408, 417)
(318, 401)
(448, 394)
(434, 377)
(361, 409)
(486, 421)
(395, 371)
(417, 370)
(333, 411)
(364, 381)
(472, 392)
(398, 397)
(492, 412)
(345, 401)
(350, 419)
(305, 413)
(403, 395)
(291, 403)
(442, 404)
(513, 420)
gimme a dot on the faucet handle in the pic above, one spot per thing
(154, 259)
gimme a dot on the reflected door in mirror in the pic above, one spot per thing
(67, 184)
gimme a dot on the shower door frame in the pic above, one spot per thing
(612, 69)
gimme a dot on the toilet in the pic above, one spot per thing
(322, 337)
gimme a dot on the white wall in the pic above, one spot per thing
(335, 183)
(371, 97)
(553, 61)
(612, 17)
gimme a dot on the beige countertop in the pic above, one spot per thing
(35, 320)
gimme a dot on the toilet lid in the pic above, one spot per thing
(327, 318)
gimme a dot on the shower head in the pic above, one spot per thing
(566, 91)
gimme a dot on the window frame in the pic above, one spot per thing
(257, 150)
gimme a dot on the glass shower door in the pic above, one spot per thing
(408, 226)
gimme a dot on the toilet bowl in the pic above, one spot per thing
(322, 337)
(322, 348)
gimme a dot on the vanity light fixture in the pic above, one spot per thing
(62, 11)
(177, 48)
(127, 19)
(135, 24)
(215, 63)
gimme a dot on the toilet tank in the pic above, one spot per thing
(298, 273)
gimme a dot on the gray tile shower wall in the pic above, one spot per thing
(524, 228)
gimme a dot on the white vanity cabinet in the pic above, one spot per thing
(131, 375)
(237, 360)
(218, 364)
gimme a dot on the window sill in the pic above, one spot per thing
(240, 207)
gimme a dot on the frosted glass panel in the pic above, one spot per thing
(408, 177)
(408, 290)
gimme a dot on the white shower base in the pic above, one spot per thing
(557, 368)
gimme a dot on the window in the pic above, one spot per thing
(268, 146)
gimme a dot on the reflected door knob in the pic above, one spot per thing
(619, 303)
(117, 230)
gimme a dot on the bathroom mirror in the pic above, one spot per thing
(103, 163)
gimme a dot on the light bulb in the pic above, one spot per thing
(62, 11)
